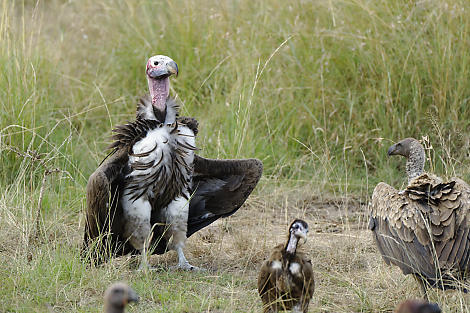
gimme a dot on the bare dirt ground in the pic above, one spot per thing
(350, 275)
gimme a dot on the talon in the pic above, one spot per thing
(187, 267)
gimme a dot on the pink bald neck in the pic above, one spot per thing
(159, 91)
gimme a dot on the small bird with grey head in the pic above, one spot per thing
(285, 281)
(117, 296)
(423, 229)
(417, 306)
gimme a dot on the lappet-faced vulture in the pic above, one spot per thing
(153, 192)
(423, 229)
(285, 281)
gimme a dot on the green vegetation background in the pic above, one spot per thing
(317, 89)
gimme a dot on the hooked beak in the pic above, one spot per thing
(391, 150)
(302, 234)
(171, 68)
(132, 296)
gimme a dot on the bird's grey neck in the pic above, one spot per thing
(292, 244)
(415, 162)
(145, 110)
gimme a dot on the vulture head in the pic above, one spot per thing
(404, 147)
(117, 296)
(418, 306)
(159, 68)
(299, 229)
(413, 151)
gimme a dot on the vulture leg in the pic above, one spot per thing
(422, 284)
(137, 227)
(177, 216)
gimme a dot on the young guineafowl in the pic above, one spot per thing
(286, 278)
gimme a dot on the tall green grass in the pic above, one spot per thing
(316, 89)
(297, 84)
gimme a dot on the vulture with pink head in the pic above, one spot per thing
(153, 191)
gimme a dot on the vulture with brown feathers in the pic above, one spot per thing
(153, 191)
(423, 229)
(285, 281)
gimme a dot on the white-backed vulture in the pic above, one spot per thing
(117, 296)
(423, 229)
(285, 281)
(152, 191)
(418, 306)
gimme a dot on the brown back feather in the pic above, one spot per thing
(428, 219)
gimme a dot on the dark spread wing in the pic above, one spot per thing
(103, 215)
(423, 229)
(220, 188)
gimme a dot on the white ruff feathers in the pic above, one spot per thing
(152, 161)
(276, 265)
(294, 268)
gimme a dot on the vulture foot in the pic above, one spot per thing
(183, 263)
(187, 267)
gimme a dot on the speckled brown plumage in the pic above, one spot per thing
(424, 229)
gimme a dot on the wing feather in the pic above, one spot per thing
(104, 223)
(425, 220)
(220, 189)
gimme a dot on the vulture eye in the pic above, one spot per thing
(155, 63)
